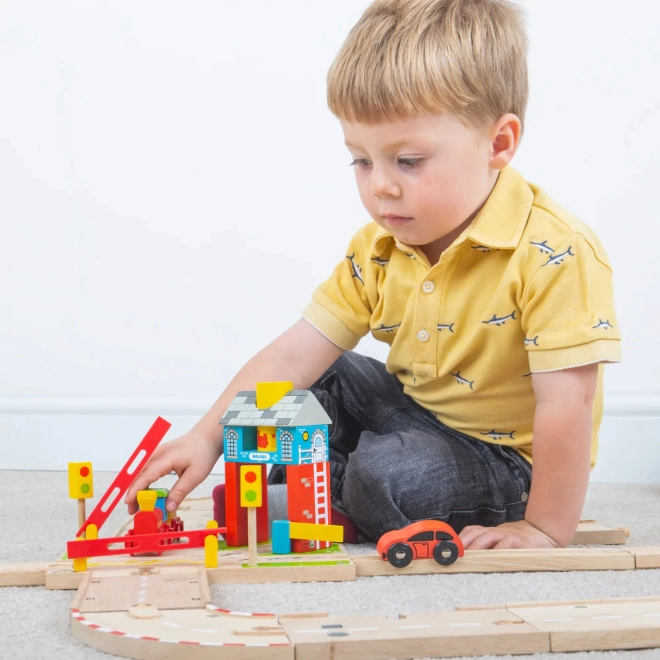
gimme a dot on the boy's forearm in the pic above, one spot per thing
(562, 462)
(300, 355)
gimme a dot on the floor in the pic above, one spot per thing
(34, 622)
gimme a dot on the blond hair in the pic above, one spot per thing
(406, 58)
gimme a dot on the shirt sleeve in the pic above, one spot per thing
(568, 315)
(341, 307)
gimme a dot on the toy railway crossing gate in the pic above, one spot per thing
(162, 537)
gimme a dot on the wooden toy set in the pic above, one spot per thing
(144, 593)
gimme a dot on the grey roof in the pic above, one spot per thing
(295, 408)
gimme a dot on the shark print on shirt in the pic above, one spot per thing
(559, 258)
(480, 248)
(531, 342)
(543, 247)
(388, 328)
(446, 326)
(462, 381)
(380, 262)
(412, 375)
(495, 435)
(603, 324)
(502, 319)
(355, 268)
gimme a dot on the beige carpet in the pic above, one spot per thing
(37, 518)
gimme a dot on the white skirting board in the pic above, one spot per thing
(46, 434)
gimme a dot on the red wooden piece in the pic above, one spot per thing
(147, 522)
(235, 515)
(125, 478)
(308, 500)
(140, 543)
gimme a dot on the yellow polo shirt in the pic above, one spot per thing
(526, 288)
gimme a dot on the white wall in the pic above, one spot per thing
(172, 187)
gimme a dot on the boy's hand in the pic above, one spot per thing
(192, 457)
(520, 534)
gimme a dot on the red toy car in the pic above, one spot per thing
(421, 540)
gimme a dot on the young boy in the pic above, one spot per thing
(496, 302)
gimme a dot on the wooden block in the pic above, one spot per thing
(252, 535)
(646, 557)
(507, 561)
(165, 588)
(589, 532)
(61, 578)
(313, 532)
(438, 634)
(596, 601)
(268, 394)
(597, 627)
(237, 575)
(24, 575)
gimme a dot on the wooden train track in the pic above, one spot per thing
(161, 606)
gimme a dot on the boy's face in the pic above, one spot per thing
(432, 172)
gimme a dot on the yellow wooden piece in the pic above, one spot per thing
(80, 565)
(91, 532)
(251, 486)
(81, 481)
(211, 546)
(147, 499)
(313, 532)
(270, 393)
(266, 438)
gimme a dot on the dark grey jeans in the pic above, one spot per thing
(393, 462)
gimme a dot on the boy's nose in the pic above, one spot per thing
(383, 186)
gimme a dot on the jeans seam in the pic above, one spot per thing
(455, 512)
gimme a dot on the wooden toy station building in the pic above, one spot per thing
(277, 425)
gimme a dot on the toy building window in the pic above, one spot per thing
(286, 446)
(232, 443)
(250, 438)
(422, 536)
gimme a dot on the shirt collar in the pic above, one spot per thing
(500, 222)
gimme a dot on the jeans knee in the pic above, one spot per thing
(364, 485)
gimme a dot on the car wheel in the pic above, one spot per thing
(400, 555)
(445, 553)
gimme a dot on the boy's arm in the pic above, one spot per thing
(301, 354)
(562, 450)
(562, 461)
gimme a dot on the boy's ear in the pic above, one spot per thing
(505, 140)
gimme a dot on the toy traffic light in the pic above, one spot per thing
(251, 486)
(81, 481)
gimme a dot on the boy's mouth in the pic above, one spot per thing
(397, 220)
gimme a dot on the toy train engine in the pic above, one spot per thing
(150, 519)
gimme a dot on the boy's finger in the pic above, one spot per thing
(149, 473)
(486, 540)
(187, 481)
(468, 534)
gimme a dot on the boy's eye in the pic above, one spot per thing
(360, 162)
(408, 163)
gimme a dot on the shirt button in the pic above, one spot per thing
(422, 335)
(428, 287)
(524, 497)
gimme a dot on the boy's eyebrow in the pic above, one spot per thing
(392, 145)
